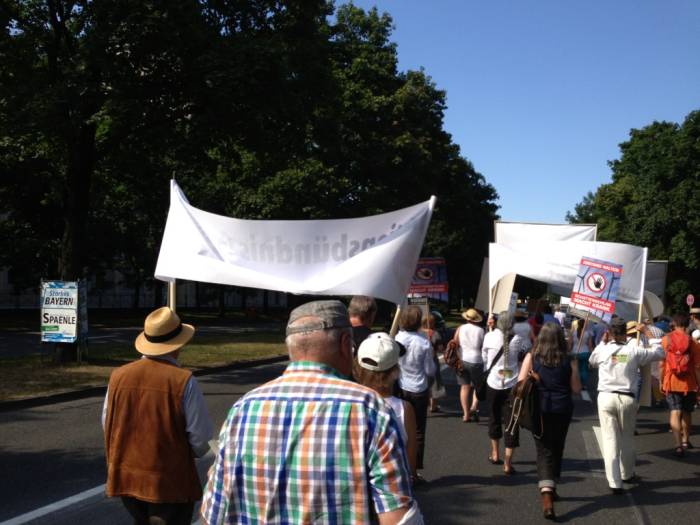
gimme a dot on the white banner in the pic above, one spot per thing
(508, 233)
(557, 263)
(373, 256)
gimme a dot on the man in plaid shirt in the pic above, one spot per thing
(311, 446)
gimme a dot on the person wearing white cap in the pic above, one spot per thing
(377, 367)
(155, 423)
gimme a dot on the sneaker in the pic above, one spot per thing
(617, 491)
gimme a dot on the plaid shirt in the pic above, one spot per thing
(309, 447)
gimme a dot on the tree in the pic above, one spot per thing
(654, 200)
(266, 109)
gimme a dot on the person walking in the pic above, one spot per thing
(618, 361)
(556, 378)
(362, 310)
(416, 368)
(581, 345)
(437, 388)
(311, 446)
(501, 353)
(680, 376)
(470, 337)
(377, 367)
(155, 423)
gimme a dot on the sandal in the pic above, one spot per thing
(510, 471)
(687, 445)
(495, 461)
(679, 452)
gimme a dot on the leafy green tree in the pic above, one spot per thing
(654, 200)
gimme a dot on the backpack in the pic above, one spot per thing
(677, 354)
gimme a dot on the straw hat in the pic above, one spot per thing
(631, 327)
(472, 315)
(163, 332)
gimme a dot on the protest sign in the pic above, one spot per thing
(430, 279)
(596, 287)
(59, 311)
(373, 256)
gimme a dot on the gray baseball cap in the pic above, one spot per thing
(331, 314)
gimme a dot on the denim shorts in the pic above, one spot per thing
(679, 401)
(471, 374)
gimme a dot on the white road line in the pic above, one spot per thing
(53, 507)
(638, 513)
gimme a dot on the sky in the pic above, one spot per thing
(541, 93)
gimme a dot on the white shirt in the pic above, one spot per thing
(618, 372)
(504, 374)
(396, 405)
(417, 363)
(471, 338)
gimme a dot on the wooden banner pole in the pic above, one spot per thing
(172, 295)
(395, 323)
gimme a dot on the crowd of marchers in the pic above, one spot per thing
(340, 436)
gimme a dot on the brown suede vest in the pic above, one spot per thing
(148, 455)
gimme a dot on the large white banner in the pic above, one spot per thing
(508, 233)
(557, 263)
(373, 256)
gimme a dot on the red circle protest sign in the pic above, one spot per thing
(596, 282)
(690, 300)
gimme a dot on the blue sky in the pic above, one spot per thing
(541, 93)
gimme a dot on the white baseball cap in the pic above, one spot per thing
(379, 352)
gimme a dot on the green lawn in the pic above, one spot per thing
(36, 376)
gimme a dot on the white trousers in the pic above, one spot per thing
(618, 417)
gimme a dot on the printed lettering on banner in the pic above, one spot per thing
(595, 288)
(59, 311)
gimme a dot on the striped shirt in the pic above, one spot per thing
(308, 447)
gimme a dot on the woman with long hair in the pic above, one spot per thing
(501, 353)
(557, 377)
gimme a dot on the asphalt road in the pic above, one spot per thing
(50, 453)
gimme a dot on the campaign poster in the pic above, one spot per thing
(430, 279)
(59, 311)
(595, 289)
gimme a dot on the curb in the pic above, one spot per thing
(32, 402)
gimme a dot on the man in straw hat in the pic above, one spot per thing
(155, 422)
(311, 446)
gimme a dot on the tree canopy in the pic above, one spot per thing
(654, 200)
(264, 109)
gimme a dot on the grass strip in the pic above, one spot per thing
(39, 375)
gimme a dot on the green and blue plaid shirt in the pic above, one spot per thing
(309, 447)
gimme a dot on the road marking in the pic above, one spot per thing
(53, 507)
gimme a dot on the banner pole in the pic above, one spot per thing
(395, 322)
(172, 295)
